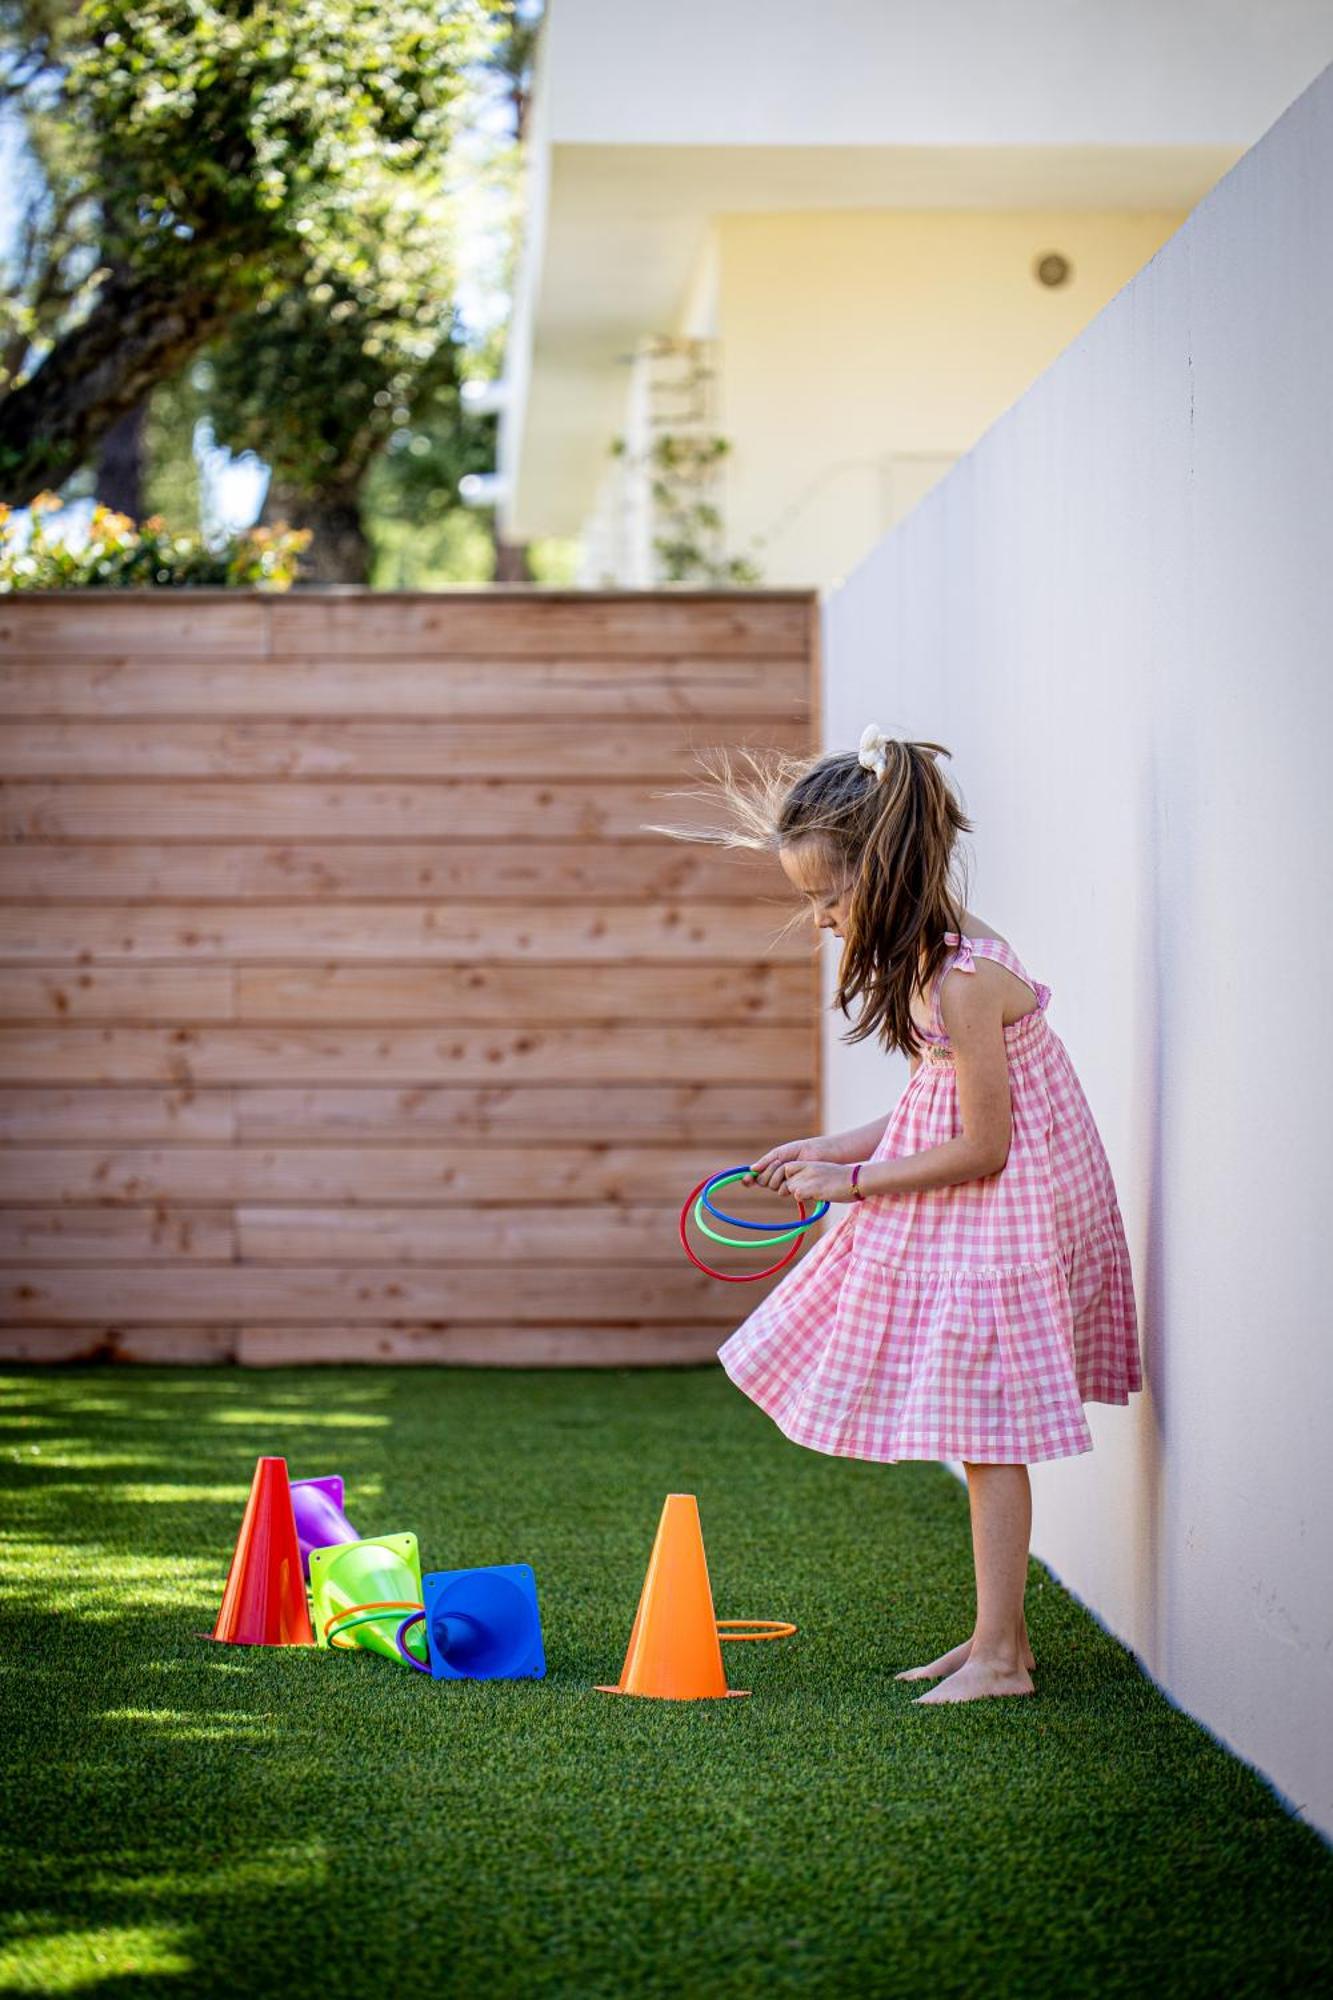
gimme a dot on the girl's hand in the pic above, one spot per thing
(818, 1180)
(770, 1171)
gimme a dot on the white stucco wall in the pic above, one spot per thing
(860, 352)
(1116, 612)
(954, 73)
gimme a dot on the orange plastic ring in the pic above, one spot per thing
(762, 1628)
(347, 1611)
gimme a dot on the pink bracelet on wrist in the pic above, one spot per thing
(856, 1175)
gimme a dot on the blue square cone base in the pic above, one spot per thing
(483, 1624)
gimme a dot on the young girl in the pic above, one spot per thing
(978, 1289)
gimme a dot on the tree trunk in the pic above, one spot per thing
(135, 336)
(120, 464)
(511, 560)
(339, 551)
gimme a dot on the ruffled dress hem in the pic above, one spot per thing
(1042, 1322)
(977, 1454)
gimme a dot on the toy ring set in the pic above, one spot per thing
(760, 1235)
(369, 1592)
(458, 1624)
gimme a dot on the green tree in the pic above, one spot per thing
(360, 355)
(191, 161)
(418, 529)
(348, 385)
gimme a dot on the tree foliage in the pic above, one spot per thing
(198, 159)
(359, 356)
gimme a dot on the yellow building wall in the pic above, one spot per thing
(861, 352)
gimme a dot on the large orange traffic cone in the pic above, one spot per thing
(673, 1651)
(263, 1603)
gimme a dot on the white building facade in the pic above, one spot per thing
(861, 231)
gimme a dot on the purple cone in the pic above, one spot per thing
(320, 1521)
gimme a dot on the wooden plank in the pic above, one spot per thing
(299, 747)
(640, 1233)
(648, 869)
(236, 809)
(436, 933)
(35, 1113)
(580, 1175)
(358, 1293)
(107, 624)
(749, 689)
(172, 993)
(540, 623)
(260, 1346)
(171, 1345)
(164, 1234)
(654, 1114)
(175, 1232)
(609, 1346)
(493, 995)
(48, 1344)
(659, 1114)
(615, 1053)
(475, 995)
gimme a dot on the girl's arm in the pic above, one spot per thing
(956, 1160)
(840, 1148)
(974, 1016)
(848, 1147)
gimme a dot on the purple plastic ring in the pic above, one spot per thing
(413, 1618)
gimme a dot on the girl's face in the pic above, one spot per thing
(810, 867)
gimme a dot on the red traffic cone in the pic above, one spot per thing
(264, 1603)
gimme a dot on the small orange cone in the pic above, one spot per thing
(673, 1651)
(263, 1602)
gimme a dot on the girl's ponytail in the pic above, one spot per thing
(901, 903)
(888, 823)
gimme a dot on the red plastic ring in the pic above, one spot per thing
(727, 1277)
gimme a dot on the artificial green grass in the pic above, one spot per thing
(188, 1818)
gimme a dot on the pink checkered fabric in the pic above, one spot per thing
(965, 1322)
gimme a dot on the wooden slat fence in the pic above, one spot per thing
(347, 1012)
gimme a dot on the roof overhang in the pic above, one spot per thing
(616, 232)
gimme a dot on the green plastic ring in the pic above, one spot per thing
(345, 1621)
(745, 1242)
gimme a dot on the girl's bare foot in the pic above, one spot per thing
(949, 1663)
(976, 1678)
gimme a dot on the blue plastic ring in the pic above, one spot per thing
(763, 1228)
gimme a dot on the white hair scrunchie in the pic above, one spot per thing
(874, 751)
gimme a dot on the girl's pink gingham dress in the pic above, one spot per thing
(965, 1322)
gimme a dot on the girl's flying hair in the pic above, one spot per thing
(887, 821)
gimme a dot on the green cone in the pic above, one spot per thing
(384, 1569)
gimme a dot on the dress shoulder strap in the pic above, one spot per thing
(965, 950)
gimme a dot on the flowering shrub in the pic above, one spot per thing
(119, 553)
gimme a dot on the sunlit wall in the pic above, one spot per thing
(1115, 610)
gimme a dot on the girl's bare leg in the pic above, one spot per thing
(997, 1657)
